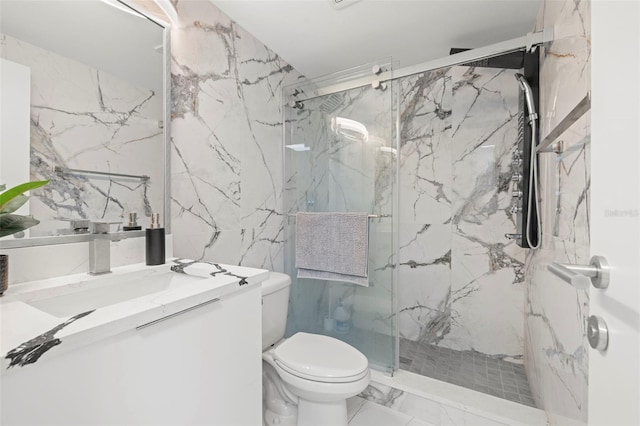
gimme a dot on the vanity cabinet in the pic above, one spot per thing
(199, 367)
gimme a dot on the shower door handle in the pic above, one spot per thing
(579, 276)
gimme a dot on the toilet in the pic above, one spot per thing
(306, 378)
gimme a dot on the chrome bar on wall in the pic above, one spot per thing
(371, 216)
(574, 115)
(66, 239)
(65, 171)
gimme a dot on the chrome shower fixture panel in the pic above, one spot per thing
(524, 181)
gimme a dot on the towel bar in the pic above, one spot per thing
(64, 171)
(371, 216)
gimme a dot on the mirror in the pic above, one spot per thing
(83, 105)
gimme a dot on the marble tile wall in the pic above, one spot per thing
(460, 282)
(425, 206)
(226, 140)
(556, 350)
(88, 119)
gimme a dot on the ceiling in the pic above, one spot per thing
(318, 38)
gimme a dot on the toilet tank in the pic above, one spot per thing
(275, 307)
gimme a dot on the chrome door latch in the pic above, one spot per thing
(597, 333)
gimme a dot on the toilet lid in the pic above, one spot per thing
(321, 358)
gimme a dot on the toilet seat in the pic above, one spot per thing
(321, 359)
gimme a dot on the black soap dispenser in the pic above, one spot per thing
(154, 239)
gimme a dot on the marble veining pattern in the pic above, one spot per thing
(20, 308)
(458, 132)
(102, 123)
(30, 351)
(180, 266)
(557, 352)
(226, 140)
(460, 282)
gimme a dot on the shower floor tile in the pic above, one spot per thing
(468, 369)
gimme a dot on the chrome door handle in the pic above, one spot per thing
(579, 276)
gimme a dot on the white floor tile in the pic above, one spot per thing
(376, 415)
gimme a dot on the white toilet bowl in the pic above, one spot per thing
(322, 372)
(307, 378)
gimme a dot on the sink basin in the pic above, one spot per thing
(83, 296)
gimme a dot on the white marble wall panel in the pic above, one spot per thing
(425, 282)
(557, 353)
(486, 286)
(565, 62)
(226, 145)
(85, 118)
(460, 281)
(425, 161)
(425, 206)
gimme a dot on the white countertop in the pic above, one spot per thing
(37, 334)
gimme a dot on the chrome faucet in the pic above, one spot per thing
(100, 245)
(100, 248)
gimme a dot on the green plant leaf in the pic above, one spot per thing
(12, 193)
(3, 186)
(12, 223)
(14, 204)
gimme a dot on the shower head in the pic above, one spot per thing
(524, 85)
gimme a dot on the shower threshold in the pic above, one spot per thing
(469, 369)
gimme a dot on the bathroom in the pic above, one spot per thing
(445, 282)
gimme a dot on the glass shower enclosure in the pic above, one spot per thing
(340, 155)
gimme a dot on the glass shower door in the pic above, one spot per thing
(340, 156)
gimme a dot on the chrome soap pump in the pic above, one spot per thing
(133, 223)
(154, 242)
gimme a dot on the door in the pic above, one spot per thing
(614, 374)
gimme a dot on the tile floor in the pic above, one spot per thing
(365, 413)
(469, 369)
